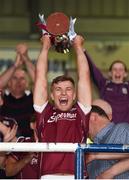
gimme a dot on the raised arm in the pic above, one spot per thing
(41, 83)
(84, 93)
(96, 74)
(22, 49)
(6, 76)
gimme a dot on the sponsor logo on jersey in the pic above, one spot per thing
(61, 116)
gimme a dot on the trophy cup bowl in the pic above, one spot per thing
(57, 25)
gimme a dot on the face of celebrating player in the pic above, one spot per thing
(63, 95)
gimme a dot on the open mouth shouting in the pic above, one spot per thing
(117, 77)
(63, 101)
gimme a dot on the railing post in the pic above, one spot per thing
(79, 163)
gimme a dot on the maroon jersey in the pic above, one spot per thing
(54, 125)
(30, 171)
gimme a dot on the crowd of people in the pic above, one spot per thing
(66, 113)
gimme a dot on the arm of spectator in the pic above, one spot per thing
(84, 84)
(96, 74)
(41, 82)
(30, 66)
(6, 76)
(105, 156)
(22, 49)
(14, 166)
(118, 168)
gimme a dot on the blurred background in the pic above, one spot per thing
(103, 23)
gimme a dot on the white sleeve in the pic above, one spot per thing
(39, 109)
(85, 109)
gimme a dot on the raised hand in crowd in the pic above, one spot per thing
(6, 76)
(22, 50)
(9, 134)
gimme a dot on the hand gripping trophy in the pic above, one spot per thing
(60, 29)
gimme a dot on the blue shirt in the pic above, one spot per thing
(111, 134)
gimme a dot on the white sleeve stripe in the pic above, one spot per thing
(38, 108)
(85, 109)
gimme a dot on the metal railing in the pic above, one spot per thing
(79, 149)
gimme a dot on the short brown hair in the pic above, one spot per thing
(118, 61)
(61, 79)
